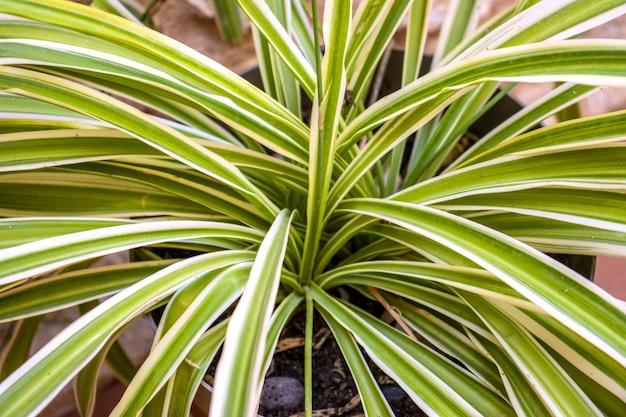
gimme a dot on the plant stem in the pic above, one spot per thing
(308, 355)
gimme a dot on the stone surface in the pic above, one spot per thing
(282, 393)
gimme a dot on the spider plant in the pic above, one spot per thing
(281, 209)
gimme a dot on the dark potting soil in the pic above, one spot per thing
(334, 390)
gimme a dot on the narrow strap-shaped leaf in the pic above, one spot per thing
(279, 320)
(44, 374)
(385, 274)
(209, 303)
(430, 249)
(519, 390)
(117, 35)
(15, 353)
(236, 391)
(572, 61)
(582, 132)
(525, 119)
(415, 43)
(183, 189)
(70, 146)
(58, 147)
(325, 124)
(551, 286)
(606, 401)
(449, 130)
(558, 19)
(372, 398)
(192, 370)
(158, 89)
(433, 383)
(559, 392)
(106, 108)
(228, 19)
(577, 168)
(36, 193)
(265, 21)
(20, 230)
(14, 104)
(598, 209)
(278, 80)
(86, 382)
(117, 7)
(459, 22)
(17, 262)
(375, 23)
(588, 359)
(451, 340)
(436, 299)
(387, 138)
(554, 236)
(71, 288)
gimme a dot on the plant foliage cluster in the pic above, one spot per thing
(280, 210)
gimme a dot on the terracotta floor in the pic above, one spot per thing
(611, 275)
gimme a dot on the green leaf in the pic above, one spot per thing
(71, 288)
(574, 61)
(228, 18)
(35, 383)
(237, 387)
(433, 383)
(216, 294)
(597, 209)
(110, 34)
(116, 7)
(86, 382)
(450, 339)
(415, 43)
(36, 193)
(279, 320)
(554, 236)
(59, 147)
(558, 391)
(19, 230)
(372, 398)
(325, 124)
(525, 119)
(406, 278)
(460, 18)
(18, 347)
(590, 168)
(266, 22)
(20, 262)
(581, 133)
(108, 109)
(192, 370)
(582, 355)
(519, 390)
(375, 23)
(561, 292)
